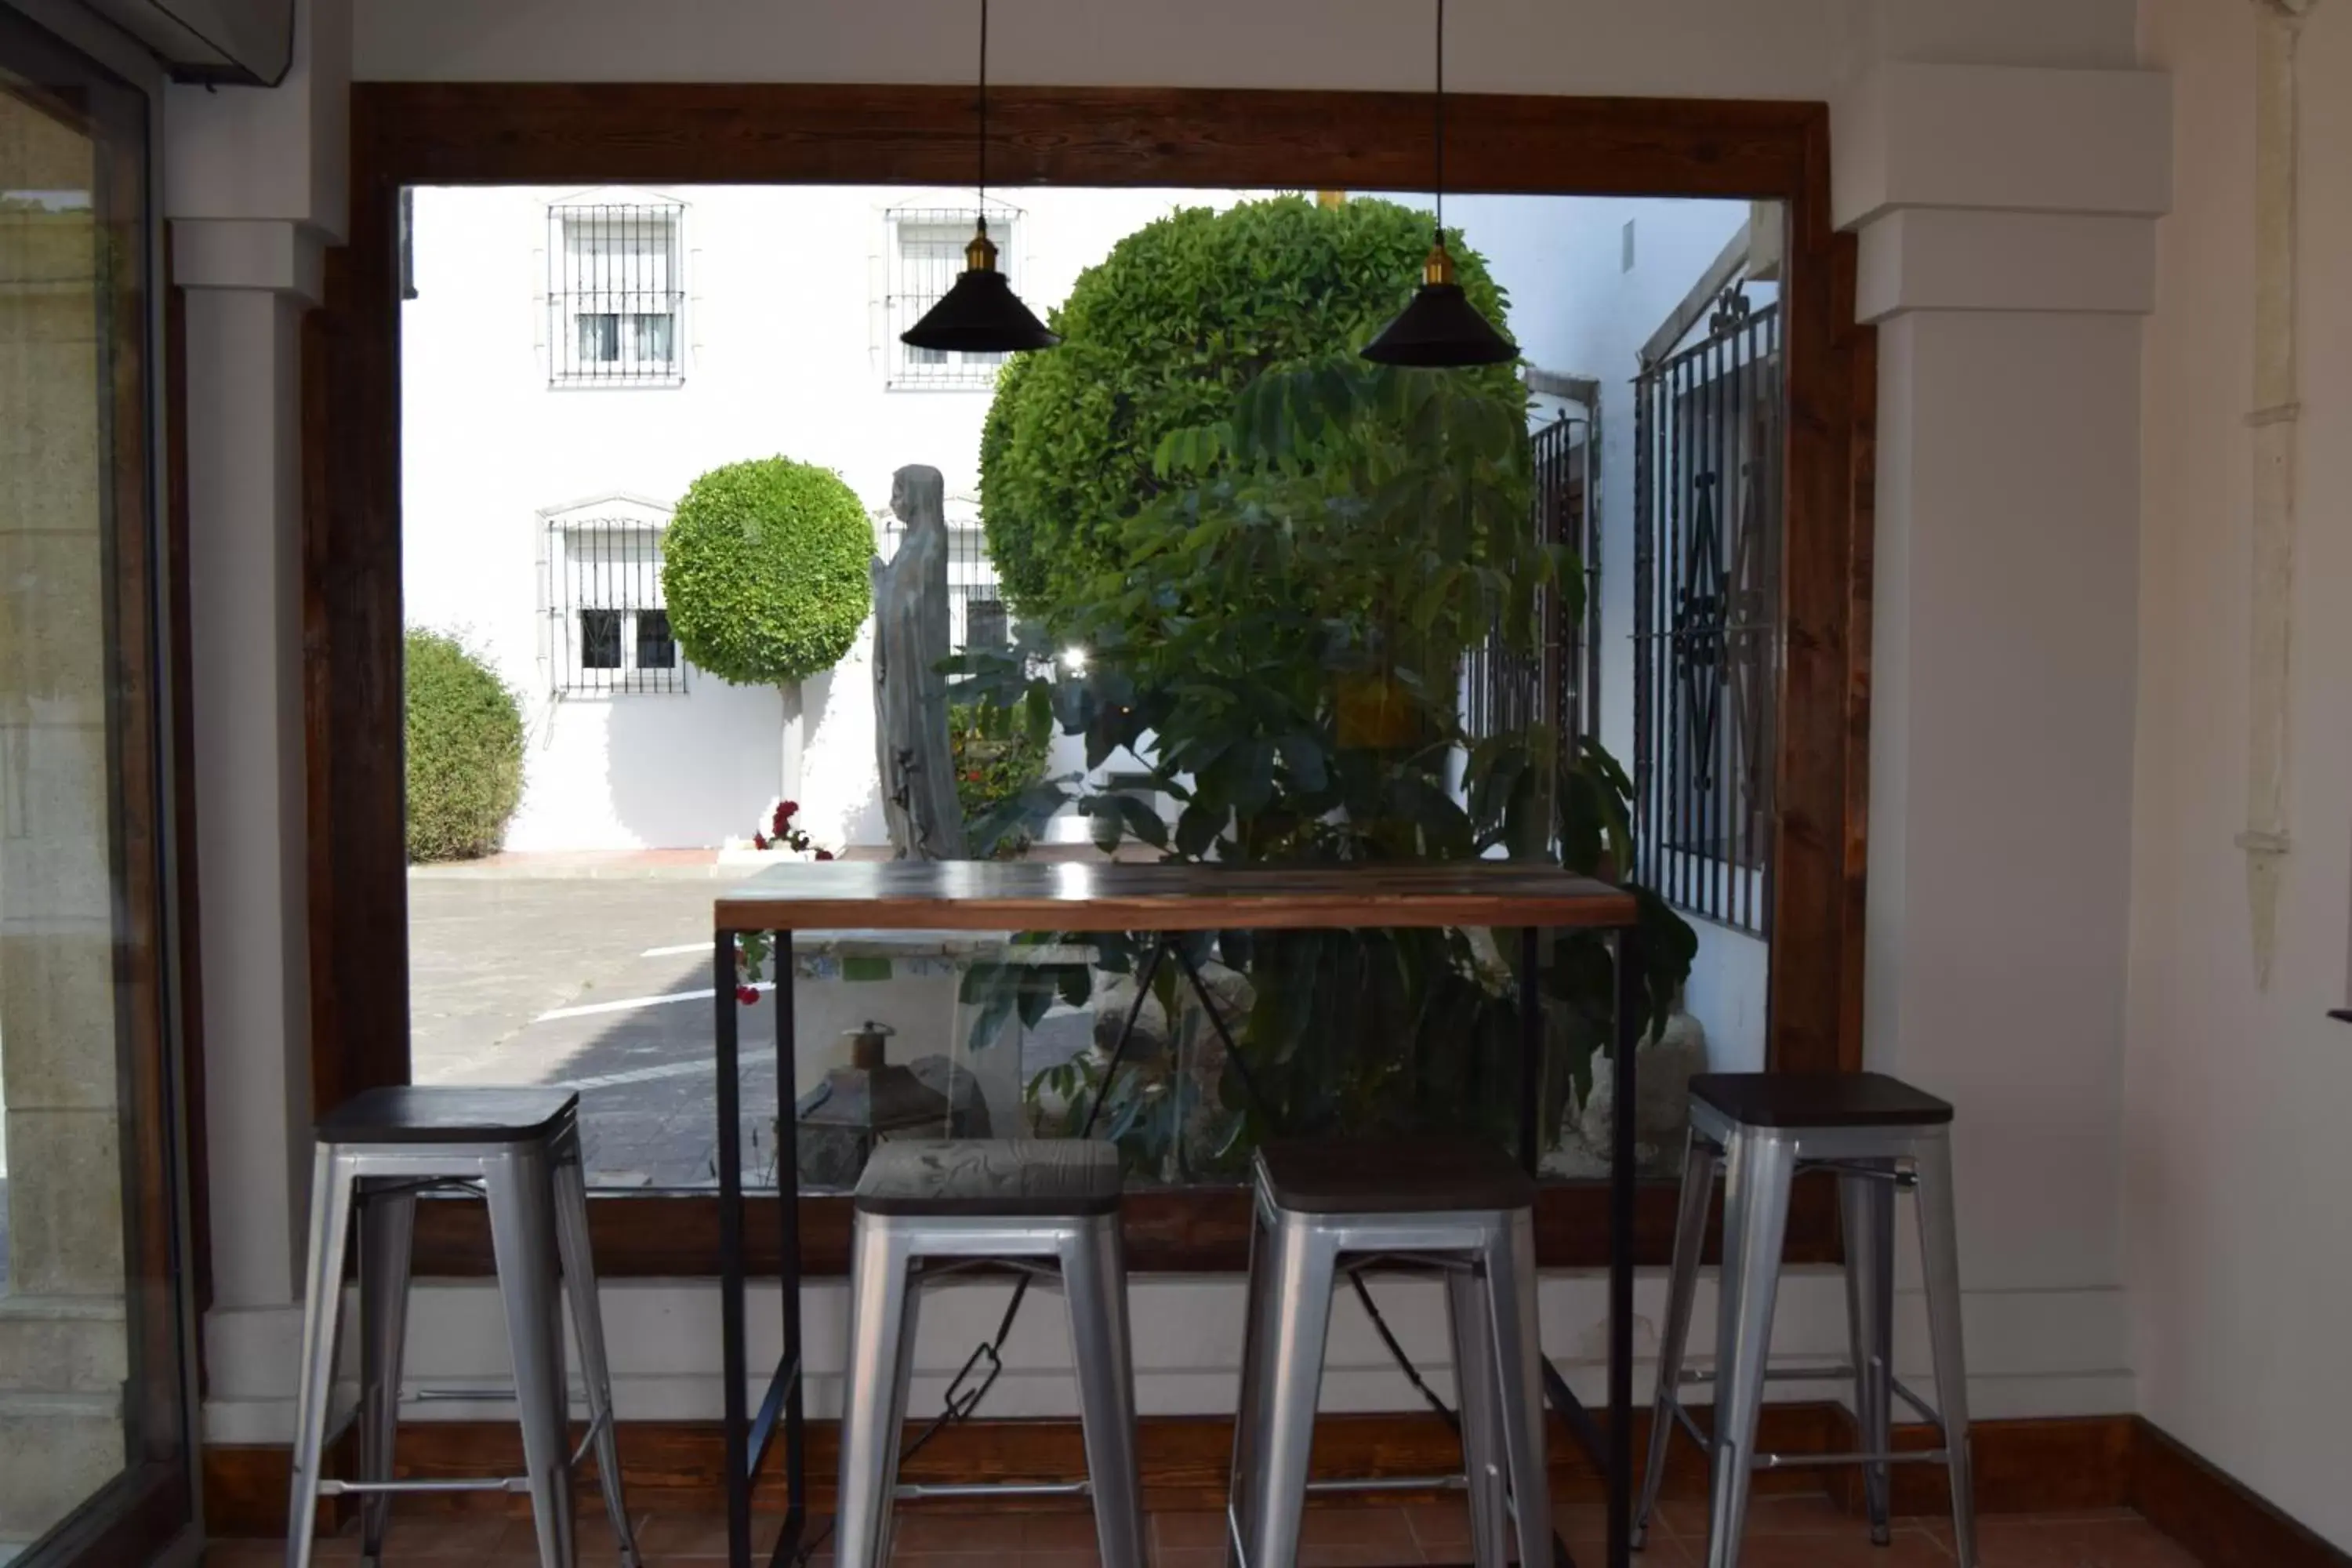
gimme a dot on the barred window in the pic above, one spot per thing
(615, 295)
(607, 629)
(924, 258)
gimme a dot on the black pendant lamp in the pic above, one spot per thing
(980, 314)
(1440, 328)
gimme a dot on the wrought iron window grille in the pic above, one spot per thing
(615, 294)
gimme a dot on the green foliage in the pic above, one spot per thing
(995, 760)
(464, 742)
(1163, 336)
(764, 571)
(1282, 645)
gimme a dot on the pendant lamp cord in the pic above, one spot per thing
(983, 116)
(1441, 115)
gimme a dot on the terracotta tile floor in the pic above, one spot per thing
(1785, 1532)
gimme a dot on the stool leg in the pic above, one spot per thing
(874, 1396)
(1093, 1278)
(1241, 1490)
(1510, 1290)
(1755, 1224)
(1939, 1246)
(1682, 1294)
(1299, 1319)
(387, 1226)
(1483, 1455)
(1868, 1204)
(588, 1322)
(323, 1306)
(522, 1238)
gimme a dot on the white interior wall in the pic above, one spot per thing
(2239, 1249)
(2045, 1316)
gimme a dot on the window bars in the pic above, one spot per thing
(1504, 690)
(607, 630)
(1706, 552)
(615, 300)
(976, 616)
(922, 260)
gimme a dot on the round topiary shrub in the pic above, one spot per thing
(764, 571)
(1160, 336)
(465, 751)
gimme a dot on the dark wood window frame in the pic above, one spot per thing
(670, 134)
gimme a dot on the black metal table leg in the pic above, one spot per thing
(735, 1437)
(788, 1209)
(1630, 1018)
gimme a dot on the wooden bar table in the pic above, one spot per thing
(1027, 896)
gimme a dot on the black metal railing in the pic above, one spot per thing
(607, 630)
(924, 257)
(616, 298)
(1505, 690)
(1706, 550)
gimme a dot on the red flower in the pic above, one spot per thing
(785, 811)
(746, 995)
(825, 854)
(759, 839)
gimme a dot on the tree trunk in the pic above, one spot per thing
(789, 690)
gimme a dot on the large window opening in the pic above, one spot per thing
(579, 952)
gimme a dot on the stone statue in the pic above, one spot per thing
(910, 695)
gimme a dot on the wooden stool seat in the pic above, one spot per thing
(1398, 1176)
(423, 1113)
(1819, 1099)
(1011, 1178)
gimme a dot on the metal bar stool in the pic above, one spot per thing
(928, 1206)
(379, 1150)
(1460, 1206)
(1877, 1134)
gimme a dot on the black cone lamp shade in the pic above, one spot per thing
(1440, 328)
(980, 313)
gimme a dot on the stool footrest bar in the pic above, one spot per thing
(1915, 1402)
(330, 1487)
(1802, 1461)
(1454, 1483)
(1778, 1374)
(911, 1489)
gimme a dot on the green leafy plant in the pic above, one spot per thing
(464, 742)
(1163, 336)
(1281, 645)
(995, 762)
(764, 571)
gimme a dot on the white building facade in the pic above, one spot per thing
(572, 360)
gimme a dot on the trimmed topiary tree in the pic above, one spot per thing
(763, 570)
(465, 749)
(1162, 336)
(764, 574)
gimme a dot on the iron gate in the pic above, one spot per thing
(1706, 548)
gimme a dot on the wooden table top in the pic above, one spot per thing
(1016, 895)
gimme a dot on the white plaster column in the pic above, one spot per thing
(2005, 218)
(255, 183)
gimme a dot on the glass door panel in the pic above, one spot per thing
(93, 1431)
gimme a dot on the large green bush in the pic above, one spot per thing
(764, 571)
(465, 751)
(1162, 336)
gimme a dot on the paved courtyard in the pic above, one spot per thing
(600, 982)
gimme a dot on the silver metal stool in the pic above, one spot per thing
(1457, 1206)
(1877, 1134)
(931, 1206)
(379, 1150)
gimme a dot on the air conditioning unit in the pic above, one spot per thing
(249, 43)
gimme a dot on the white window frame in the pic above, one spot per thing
(573, 288)
(619, 573)
(911, 287)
